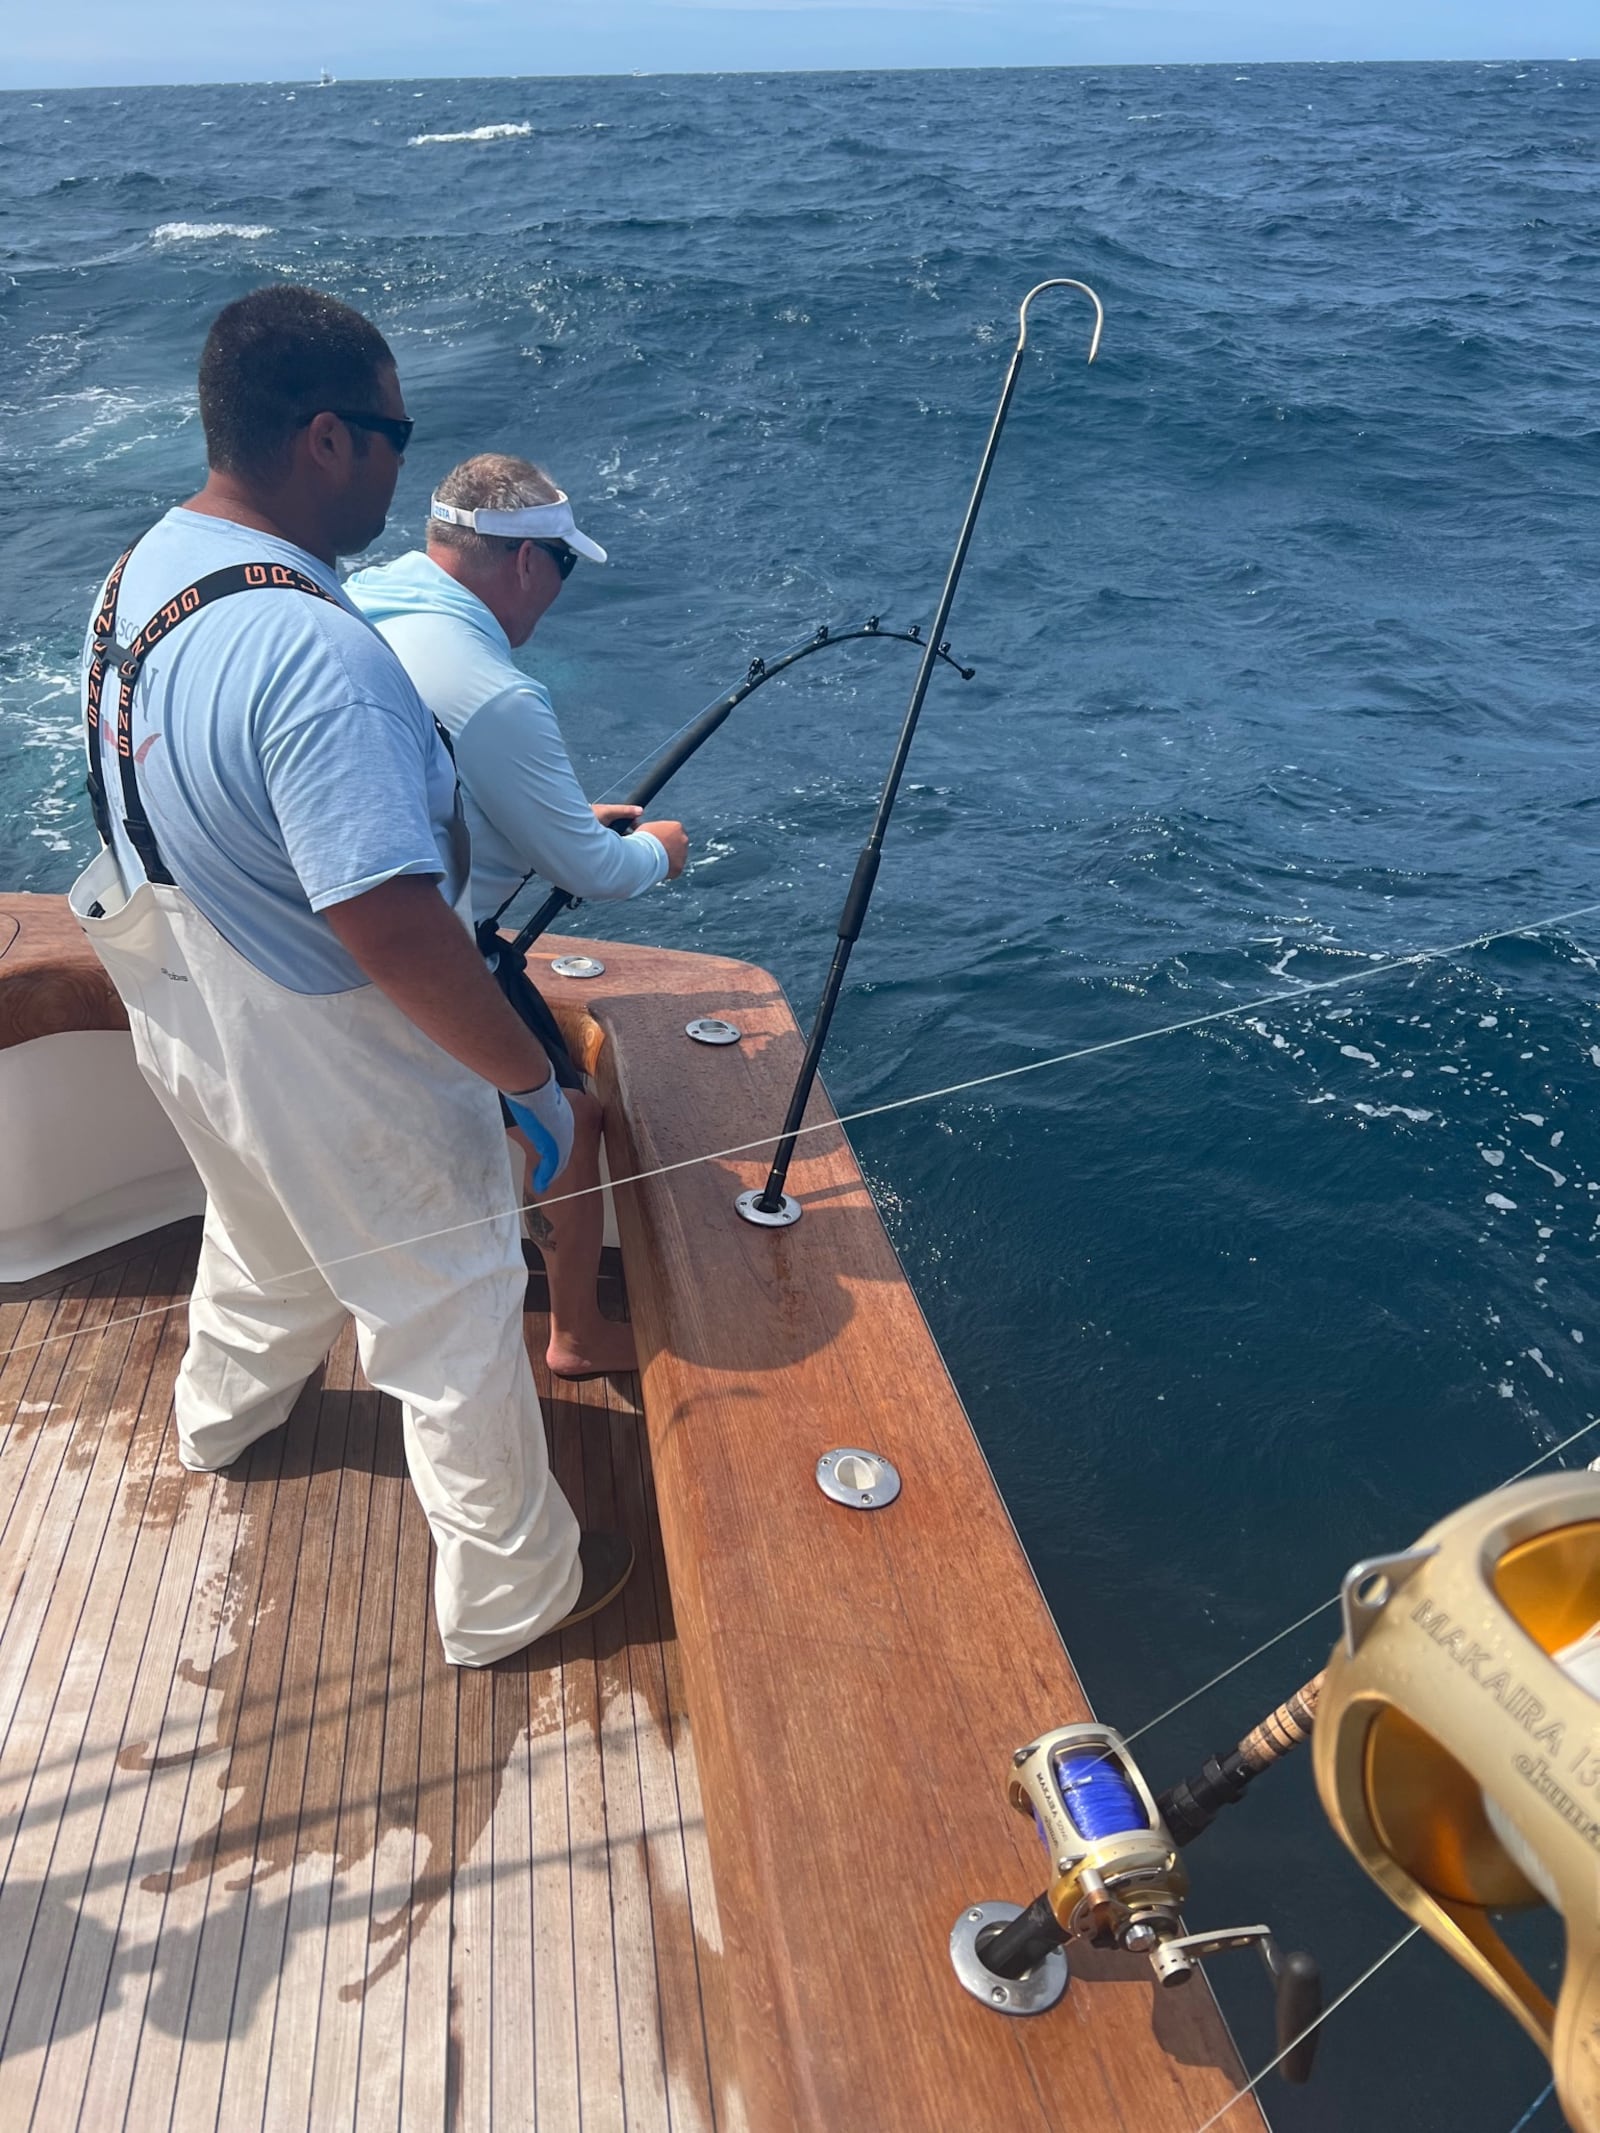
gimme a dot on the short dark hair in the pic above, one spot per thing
(272, 360)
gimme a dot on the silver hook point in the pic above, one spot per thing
(1062, 282)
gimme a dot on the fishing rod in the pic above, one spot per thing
(772, 1207)
(672, 757)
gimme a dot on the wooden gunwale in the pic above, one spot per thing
(857, 1681)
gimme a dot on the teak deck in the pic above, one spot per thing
(265, 1860)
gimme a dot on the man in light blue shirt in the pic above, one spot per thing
(278, 818)
(312, 708)
(501, 543)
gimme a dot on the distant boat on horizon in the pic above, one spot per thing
(324, 79)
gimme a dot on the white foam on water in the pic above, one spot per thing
(105, 423)
(1413, 1112)
(1351, 1051)
(1279, 1044)
(1536, 1356)
(1499, 1200)
(477, 133)
(1557, 1176)
(1534, 1118)
(206, 232)
(1494, 1157)
(48, 719)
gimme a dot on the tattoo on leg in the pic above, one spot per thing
(540, 1228)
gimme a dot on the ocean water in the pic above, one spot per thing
(1287, 638)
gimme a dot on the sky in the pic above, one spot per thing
(113, 42)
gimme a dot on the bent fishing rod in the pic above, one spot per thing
(772, 1207)
(671, 758)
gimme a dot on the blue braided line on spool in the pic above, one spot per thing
(1099, 1797)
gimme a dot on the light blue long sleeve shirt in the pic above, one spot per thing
(524, 806)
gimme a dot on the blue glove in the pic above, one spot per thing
(544, 1117)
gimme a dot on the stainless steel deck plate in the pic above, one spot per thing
(745, 1205)
(1030, 1995)
(865, 1481)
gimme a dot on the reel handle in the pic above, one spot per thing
(1299, 1997)
(1297, 1986)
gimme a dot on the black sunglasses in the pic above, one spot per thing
(397, 428)
(564, 558)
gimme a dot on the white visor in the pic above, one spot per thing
(530, 522)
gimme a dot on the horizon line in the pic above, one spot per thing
(1103, 66)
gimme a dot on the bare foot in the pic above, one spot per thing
(605, 1349)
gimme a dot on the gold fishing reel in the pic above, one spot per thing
(1117, 1880)
(1459, 1757)
(1116, 1877)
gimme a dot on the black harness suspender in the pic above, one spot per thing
(129, 662)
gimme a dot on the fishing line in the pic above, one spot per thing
(1332, 2007)
(1552, 1451)
(961, 1088)
(1414, 958)
(618, 784)
(644, 762)
(1534, 2108)
(1216, 1680)
(627, 776)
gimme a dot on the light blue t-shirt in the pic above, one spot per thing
(285, 760)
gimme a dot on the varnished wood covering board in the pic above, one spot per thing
(265, 1860)
(50, 978)
(857, 1682)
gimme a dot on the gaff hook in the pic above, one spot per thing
(772, 1206)
(1062, 281)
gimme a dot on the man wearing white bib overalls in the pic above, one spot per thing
(283, 849)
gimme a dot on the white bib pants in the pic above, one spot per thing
(326, 1128)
